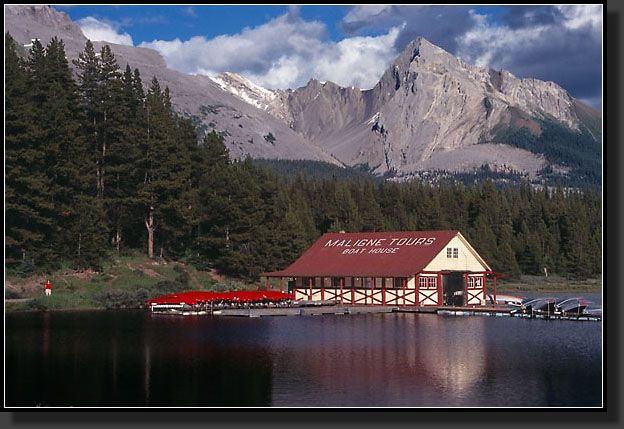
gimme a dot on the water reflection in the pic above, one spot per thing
(204, 362)
(413, 360)
(46, 335)
(147, 373)
(400, 360)
(454, 355)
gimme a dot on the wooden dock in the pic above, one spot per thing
(311, 308)
(460, 310)
(498, 311)
(305, 311)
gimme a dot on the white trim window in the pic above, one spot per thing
(452, 252)
(475, 282)
(432, 283)
(428, 282)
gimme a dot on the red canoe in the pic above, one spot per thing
(197, 298)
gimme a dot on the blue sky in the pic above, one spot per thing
(281, 46)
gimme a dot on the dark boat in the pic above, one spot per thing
(593, 312)
(540, 305)
(509, 300)
(574, 306)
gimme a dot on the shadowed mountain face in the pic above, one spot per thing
(429, 111)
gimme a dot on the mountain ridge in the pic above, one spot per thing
(429, 110)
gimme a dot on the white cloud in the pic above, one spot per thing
(579, 16)
(566, 50)
(365, 13)
(358, 61)
(496, 46)
(283, 53)
(96, 30)
(285, 72)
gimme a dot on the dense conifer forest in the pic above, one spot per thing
(101, 164)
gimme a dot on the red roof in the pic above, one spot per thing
(368, 254)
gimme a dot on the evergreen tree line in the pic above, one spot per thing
(96, 166)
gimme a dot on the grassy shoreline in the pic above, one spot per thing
(550, 284)
(128, 282)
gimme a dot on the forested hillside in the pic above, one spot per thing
(97, 166)
(579, 151)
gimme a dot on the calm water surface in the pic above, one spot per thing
(137, 359)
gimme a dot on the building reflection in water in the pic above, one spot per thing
(403, 360)
(454, 355)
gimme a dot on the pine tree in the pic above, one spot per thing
(28, 210)
(153, 190)
(292, 239)
(372, 218)
(245, 226)
(179, 216)
(68, 164)
(89, 76)
(113, 113)
(482, 238)
(123, 158)
(130, 217)
(167, 190)
(214, 201)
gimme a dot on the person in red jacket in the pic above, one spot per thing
(48, 288)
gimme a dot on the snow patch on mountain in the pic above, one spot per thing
(246, 90)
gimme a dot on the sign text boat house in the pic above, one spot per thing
(421, 268)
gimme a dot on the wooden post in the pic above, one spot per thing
(281, 284)
(383, 290)
(484, 288)
(341, 301)
(494, 289)
(417, 284)
(322, 288)
(439, 289)
(465, 289)
(404, 285)
(267, 283)
(310, 297)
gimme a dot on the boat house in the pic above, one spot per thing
(410, 268)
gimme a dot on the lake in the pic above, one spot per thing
(135, 358)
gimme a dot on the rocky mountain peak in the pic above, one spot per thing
(42, 13)
(42, 17)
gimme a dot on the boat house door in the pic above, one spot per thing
(453, 289)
